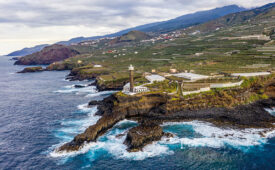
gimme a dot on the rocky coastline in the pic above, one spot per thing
(225, 108)
(31, 69)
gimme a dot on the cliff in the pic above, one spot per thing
(27, 51)
(47, 55)
(238, 107)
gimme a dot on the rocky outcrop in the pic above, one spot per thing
(229, 107)
(89, 72)
(31, 69)
(47, 55)
(86, 73)
(110, 85)
(79, 86)
(142, 135)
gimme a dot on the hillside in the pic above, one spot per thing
(193, 19)
(242, 47)
(131, 36)
(26, 51)
(250, 17)
(173, 24)
(158, 27)
(47, 55)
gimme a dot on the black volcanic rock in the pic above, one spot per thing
(79, 86)
(31, 69)
(150, 110)
(142, 135)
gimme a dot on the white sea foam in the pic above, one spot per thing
(81, 124)
(85, 108)
(73, 127)
(211, 136)
(73, 86)
(218, 137)
(114, 145)
(208, 136)
(271, 111)
(72, 89)
(118, 149)
(100, 94)
(86, 147)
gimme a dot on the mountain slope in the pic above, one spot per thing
(26, 51)
(165, 26)
(241, 45)
(193, 19)
(131, 36)
(251, 16)
(170, 25)
(47, 55)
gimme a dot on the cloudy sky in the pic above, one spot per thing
(25, 23)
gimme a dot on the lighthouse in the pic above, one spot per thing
(131, 70)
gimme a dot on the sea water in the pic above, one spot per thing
(41, 111)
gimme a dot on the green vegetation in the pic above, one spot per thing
(220, 43)
(31, 69)
(255, 97)
(253, 81)
(164, 86)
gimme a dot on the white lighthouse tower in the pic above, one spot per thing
(131, 69)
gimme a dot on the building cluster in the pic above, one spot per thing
(93, 42)
(130, 89)
(164, 37)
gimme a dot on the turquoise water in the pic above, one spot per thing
(41, 111)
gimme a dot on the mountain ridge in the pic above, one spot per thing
(27, 50)
(181, 22)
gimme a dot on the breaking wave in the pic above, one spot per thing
(72, 127)
(271, 111)
(102, 93)
(113, 144)
(73, 89)
(187, 134)
(207, 135)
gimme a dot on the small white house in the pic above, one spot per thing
(137, 89)
(191, 76)
(154, 77)
(97, 66)
(198, 54)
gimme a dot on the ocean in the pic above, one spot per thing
(41, 111)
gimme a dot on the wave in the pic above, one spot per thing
(73, 86)
(211, 136)
(102, 93)
(72, 127)
(204, 135)
(271, 111)
(85, 108)
(113, 144)
(72, 89)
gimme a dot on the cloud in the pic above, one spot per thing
(54, 20)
